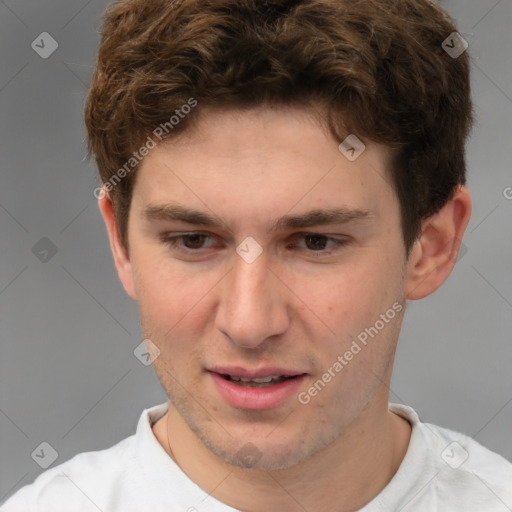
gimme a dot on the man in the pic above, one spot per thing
(278, 179)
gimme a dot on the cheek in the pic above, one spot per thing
(360, 304)
(176, 306)
(166, 291)
(345, 296)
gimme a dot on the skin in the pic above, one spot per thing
(290, 307)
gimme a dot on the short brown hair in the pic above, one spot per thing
(377, 68)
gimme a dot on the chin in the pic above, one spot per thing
(252, 455)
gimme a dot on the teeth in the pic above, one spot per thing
(259, 379)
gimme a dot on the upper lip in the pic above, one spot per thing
(268, 371)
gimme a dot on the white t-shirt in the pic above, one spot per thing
(442, 471)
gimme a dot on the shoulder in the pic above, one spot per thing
(478, 472)
(467, 455)
(74, 481)
(451, 470)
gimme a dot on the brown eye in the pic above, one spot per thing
(316, 242)
(187, 242)
(196, 241)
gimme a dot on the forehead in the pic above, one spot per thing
(264, 160)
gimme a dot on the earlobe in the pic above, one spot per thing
(435, 252)
(119, 252)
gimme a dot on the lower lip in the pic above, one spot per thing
(256, 399)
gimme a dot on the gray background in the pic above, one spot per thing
(68, 331)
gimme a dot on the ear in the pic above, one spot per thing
(121, 255)
(435, 252)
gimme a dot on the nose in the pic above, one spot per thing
(253, 303)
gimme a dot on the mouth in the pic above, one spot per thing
(262, 389)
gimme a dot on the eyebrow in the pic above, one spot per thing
(317, 217)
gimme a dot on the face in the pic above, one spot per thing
(319, 298)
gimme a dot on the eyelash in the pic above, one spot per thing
(172, 242)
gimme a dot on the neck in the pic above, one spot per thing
(350, 472)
